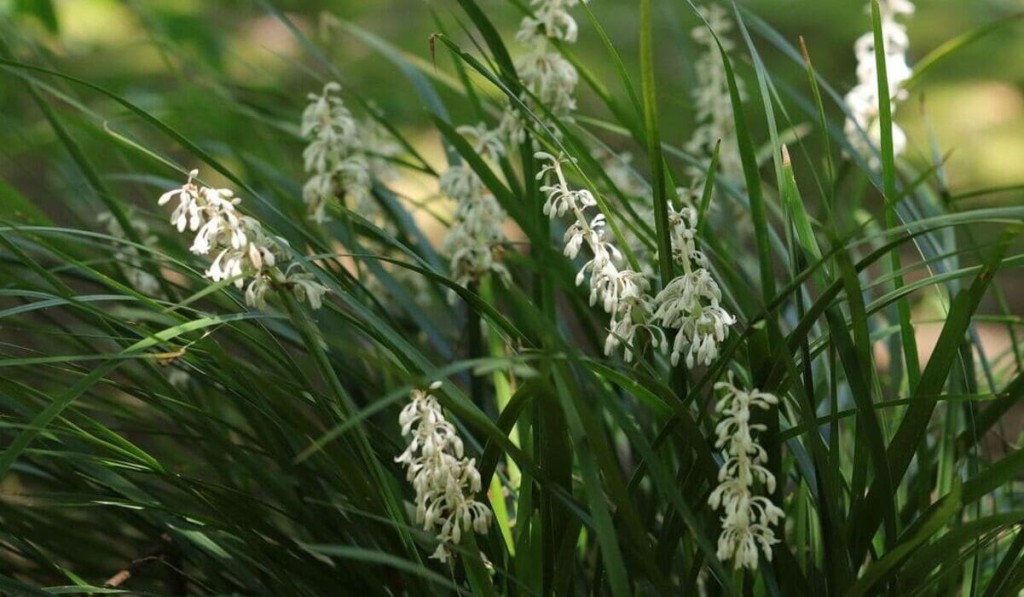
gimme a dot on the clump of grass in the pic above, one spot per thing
(696, 369)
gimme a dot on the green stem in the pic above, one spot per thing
(660, 197)
(909, 340)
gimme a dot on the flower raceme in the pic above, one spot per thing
(621, 291)
(690, 303)
(343, 155)
(441, 475)
(242, 248)
(473, 244)
(748, 518)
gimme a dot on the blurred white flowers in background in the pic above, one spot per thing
(343, 156)
(128, 255)
(711, 100)
(862, 100)
(547, 76)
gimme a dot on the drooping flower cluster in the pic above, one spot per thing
(862, 100)
(748, 520)
(545, 74)
(128, 255)
(621, 291)
(343, 156)
(241, 247)
(711, 99)
(440, 474)
(691, 303)
(474, 243)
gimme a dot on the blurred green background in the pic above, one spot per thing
(234, 77)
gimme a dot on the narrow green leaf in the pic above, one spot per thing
(758, 208)
(998, 585)
(48, 414)
(908, 338)
(915, 421)
(937, 518)
(650, 103)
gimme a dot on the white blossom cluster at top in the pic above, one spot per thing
(863, 128)
(343, 156)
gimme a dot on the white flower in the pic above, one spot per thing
(550, 20)
(682, 225)
(256, 290)
(862, 101)
(187, 213)
(330, 127)
(547, 76)
(748, 520)
(486, 142)
(241, 246)
(551, 79)
(633, 310)
(560, 198)
(637, 192)
(461, 184)
(343, 159)
(440, 474)
(621, 291)
(305, 288)
(690, 303)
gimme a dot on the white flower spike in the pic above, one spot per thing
(544, 72)
(691, 303)
(343, 156)
(711, 99)
(748, 518)
(621, 291)
(441, 475)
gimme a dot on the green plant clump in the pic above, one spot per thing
(507, 311)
